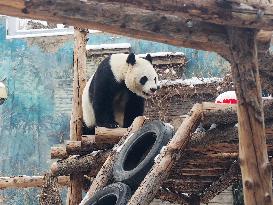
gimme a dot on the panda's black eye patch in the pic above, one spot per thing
(143, 80)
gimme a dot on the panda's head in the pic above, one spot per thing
(141, 77)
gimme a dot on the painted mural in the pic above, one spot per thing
(36, 114)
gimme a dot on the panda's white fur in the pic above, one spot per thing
(130, 75)
(88, 112)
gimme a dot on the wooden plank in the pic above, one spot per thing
(253, 157)
(166, 159)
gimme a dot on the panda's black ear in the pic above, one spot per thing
(149, 58)
(131, 59)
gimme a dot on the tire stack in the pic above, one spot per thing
(133, 162)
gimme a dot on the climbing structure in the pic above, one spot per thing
(239, 30)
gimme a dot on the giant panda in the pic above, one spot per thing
(115, 94)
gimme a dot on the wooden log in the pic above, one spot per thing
(74, 194)
(122, 20)
(29, 181)
(104, 134)
(79, 164)
(58, 152)
(105, 173)
(170, 154)
(226, 113)
(50, 192)
(240, 13)
(253, 158)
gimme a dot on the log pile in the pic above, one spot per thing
(208, 164)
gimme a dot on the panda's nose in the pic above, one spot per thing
(158, 87)
(153, 89)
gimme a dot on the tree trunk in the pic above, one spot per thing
(253, 158)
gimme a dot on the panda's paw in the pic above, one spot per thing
(109, 125)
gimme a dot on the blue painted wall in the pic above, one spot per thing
(29, 122)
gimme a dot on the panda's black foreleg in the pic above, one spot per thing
(103, 109)
(134, 108)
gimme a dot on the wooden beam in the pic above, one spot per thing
(29, 181)
(74, 194)
(239, 13)
(128, 21)
(253, 158)
(79, 164)
(167, 157)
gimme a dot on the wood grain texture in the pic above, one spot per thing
(128, 21)
(29, 181)
(253, 157)
(240, 13)
(74, 195)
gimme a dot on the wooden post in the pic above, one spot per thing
(79, 80)
(168, 156)
(50, 192)
(253, 158)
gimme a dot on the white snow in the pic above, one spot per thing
(213, 126)
(226, 95)
(156, 158)
(163, 149)
(2, 85)
(118, 149)
(159, 54)
(169, 125)
(268, 97)
(191, 81)
(200, 128)
(108, 46)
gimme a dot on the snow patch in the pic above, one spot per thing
(191, 81)
(108, 46)
(118, 148)
(213, 126)
(161, 54)
(2, 85)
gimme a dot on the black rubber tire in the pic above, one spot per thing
(113, 194)
(137, 155)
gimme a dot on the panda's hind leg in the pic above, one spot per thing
(134, 108)
(87, 130)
